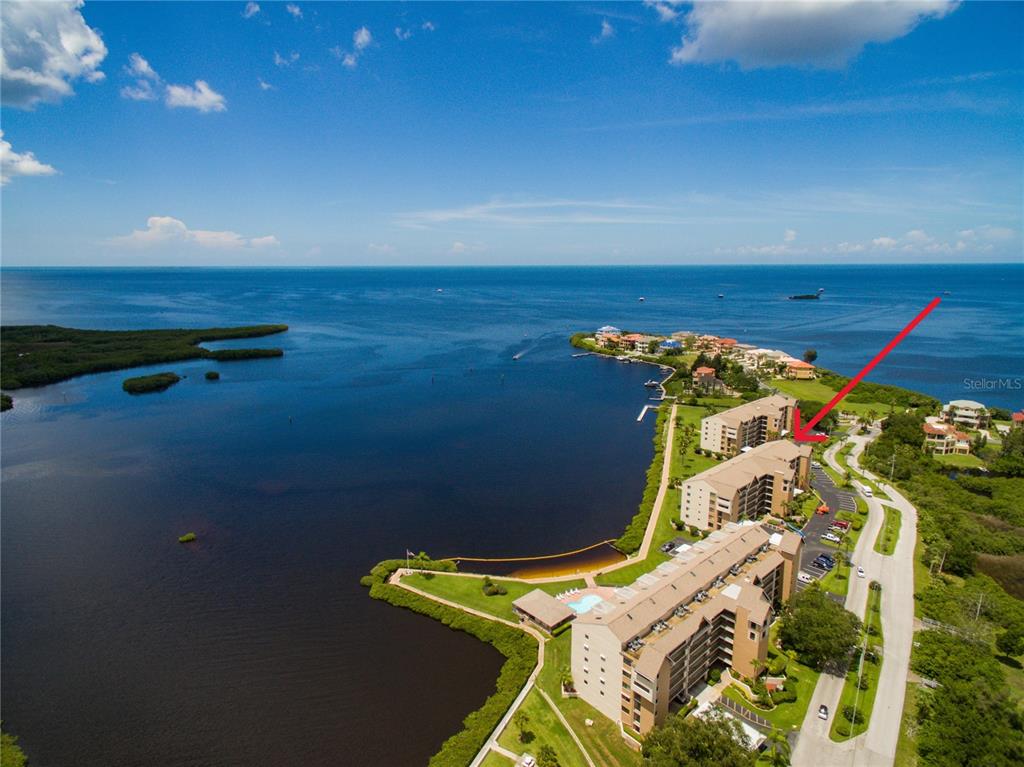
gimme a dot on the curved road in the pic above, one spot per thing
(877, 746)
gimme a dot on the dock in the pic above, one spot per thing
(643, 412)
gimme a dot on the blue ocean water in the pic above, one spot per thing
(396, 419)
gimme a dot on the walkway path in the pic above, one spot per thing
(877, 746)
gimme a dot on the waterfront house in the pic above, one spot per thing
(639, 655)
(760, 480)
(945, 439)
(541, 608)
(1017, 419)
(633, 341)
(799, 369)
(747, 425)
(608, 340)
(966, 412)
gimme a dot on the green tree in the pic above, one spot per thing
(546, 756)
(11, 754)
(778, 750)
(1011, 642)
(820, 630)
(690, 741)
(810, 355)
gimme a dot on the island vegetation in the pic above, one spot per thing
(187, 538)
(212, 375)
(36, 355)
(146, 384)
(6, 403)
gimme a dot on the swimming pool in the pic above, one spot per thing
(585, 604)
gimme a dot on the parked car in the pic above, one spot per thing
(823, 712)
(816, 464)
(804, 577)
(528, 761)
(831, 537)
(823, 509)
(823, 564)
(841, 523)
(860, 572)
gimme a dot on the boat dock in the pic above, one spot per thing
(643, 412)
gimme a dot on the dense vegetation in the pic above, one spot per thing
(145, 384)
(519, 648)
(11, 754)
(822, 632)
(6, 403)
(690, 741)
(866, 391)
(968, 720)
(633, 537)
(35, 355)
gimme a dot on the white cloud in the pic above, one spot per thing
(664, 10)
(350, 60)
(43, 49)
(264, 85)
(361, 38)
(885, 243)
(251, 9)
(457, 247)
(141, 91)
(607, 32)
(139, 67)
(818, 33)
(14, 164)
(283, 61)
(166, 230)
(200, 96)
(403, 34)
(428, 26)
(294, 10)
(789, 235)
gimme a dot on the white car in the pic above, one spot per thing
(823, 712)
(804, 577)
(831, 537)
(860, 572)
(528, 761)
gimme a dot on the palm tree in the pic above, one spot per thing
(778, 748)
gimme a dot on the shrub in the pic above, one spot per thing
(493, 589)
(715, 676)
(187, 538)
(783, 696)
(863, 683)
(843, 730)
(212, 375)
(853, 714)
(777, 665)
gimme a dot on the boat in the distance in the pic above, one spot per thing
(642, 299)
(805, 297)
(721, 295)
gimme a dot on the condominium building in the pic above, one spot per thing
(748, 425)
(638, 655)
(967, 413)
(760, 480)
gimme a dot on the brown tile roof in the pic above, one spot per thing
(543, 607)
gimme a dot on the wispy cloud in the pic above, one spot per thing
(607, 32)
(946, 102)
(251, 9)
(148, 86)
(294, 10)
(285, 61)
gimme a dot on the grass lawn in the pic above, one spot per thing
(906, 746)
(494, 759)
(785, 716)
(468, 591)
(885, 543)
(1014, 675)
(603, 740)
(922, 576)
(816, 391)
(960, 461)
(544, 728)
(863, 699)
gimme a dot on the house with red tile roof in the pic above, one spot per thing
(945, 439)
(799, 369)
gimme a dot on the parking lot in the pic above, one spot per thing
(818, 524)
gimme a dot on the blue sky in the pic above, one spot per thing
(585, 133)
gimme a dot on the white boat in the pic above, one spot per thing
(652, 384)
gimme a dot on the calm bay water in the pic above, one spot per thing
(397, 418)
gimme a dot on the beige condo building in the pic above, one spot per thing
(760, 480)
(638, 656)
(747, 425)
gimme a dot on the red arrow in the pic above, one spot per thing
(804, 433)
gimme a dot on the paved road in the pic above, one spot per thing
(876, 747)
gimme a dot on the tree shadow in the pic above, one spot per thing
(526, 736)
(1008, 661)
